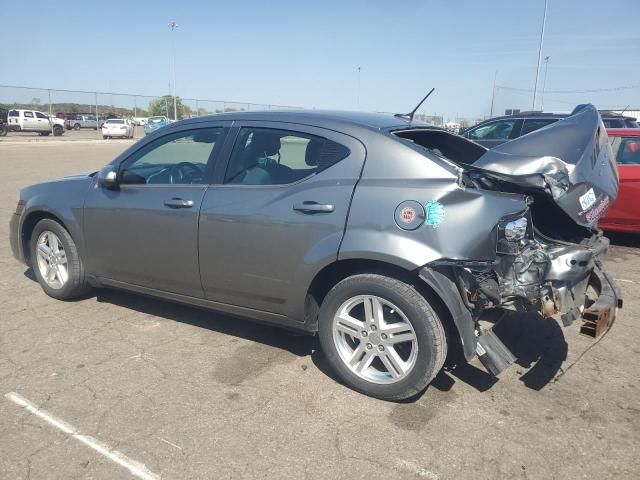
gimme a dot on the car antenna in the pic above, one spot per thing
(413, 112)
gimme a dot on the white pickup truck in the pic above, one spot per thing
(34, 121)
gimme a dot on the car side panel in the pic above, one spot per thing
(624, 214)
(257, 252)
(395, 173)
(61, 199)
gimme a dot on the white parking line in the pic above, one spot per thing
(136, 469)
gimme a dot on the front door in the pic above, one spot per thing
(278, 215)
(43, 124)
(145, 233)
(29, 121)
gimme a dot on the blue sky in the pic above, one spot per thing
(307, 53)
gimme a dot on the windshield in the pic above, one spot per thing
(156, 119)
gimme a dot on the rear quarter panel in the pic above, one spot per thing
(394, 173)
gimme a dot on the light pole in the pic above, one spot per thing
(544, 81)
(535, 85)
(172, 26)
(358, 97)
(493, 95)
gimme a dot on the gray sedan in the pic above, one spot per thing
(386, 237)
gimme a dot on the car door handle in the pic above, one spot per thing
(179, 203)
(313, 207)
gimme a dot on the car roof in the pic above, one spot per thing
(375, 121)
(623, 132)
(537, 114)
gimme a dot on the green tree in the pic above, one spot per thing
(164, 106)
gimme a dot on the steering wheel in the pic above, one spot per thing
(185, 172)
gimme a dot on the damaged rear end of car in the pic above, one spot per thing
(547, 253)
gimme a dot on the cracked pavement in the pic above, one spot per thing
(194, 394)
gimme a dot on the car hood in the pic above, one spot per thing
(570, 161)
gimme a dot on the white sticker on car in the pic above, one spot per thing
(588, 199)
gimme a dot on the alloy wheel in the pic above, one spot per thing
(375, 339)
(52, 260)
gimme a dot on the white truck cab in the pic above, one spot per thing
(34, 121)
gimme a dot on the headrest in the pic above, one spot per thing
(313, 152)
(265, 143)
(633, 146)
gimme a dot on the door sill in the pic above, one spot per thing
(234, 310)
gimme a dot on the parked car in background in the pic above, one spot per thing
(498, 130)
(117, 127)
(3, 122)
(343, 224)
(154, 123)
(34, 121)
(81, 120)
(140, 121)
(624, 214)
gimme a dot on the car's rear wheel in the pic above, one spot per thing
(381, 336)
(56, 261)
(76, 126)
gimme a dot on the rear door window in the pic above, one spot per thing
(28, 114)
(264, 156)
(533, 124)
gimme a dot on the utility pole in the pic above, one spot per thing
(535, 85)
(544, 81)
(358, 97)
(172, 26)
(493, 95)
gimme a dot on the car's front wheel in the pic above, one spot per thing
(58, 130)
(56, 261)
(381, 336)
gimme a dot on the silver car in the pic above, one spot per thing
(386, 237)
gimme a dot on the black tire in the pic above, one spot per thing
(3, 131)
(76, 284)
(104, 137)
(429, 331)
(57, 131)
(76, 126)
(45, 134)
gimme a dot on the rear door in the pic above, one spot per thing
(625, 212)
(277, 214)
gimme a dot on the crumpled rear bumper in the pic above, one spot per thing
(598, 317)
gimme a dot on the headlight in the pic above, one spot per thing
(516, 230)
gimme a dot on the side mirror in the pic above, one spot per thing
(108, 177)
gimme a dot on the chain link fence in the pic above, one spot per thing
(59, 103)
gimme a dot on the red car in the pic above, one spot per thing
(624, 214)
